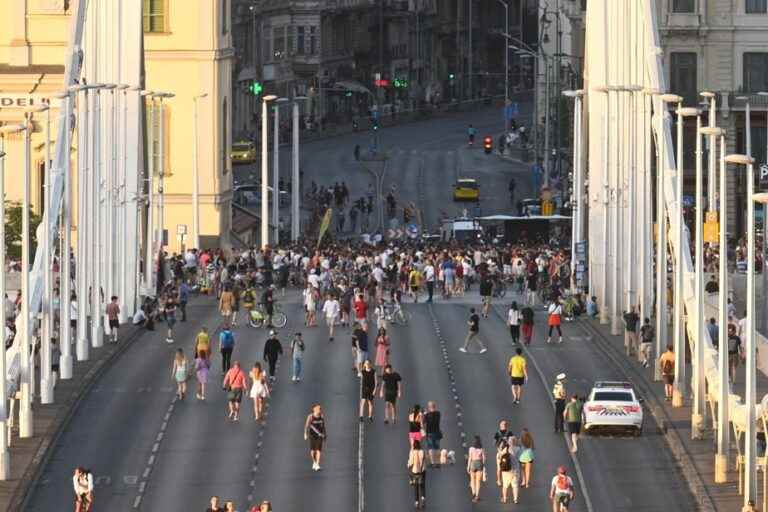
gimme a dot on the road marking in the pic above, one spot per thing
(130, 479)
(137, 502)
(360, 468)
(102, 480)
(574, 458)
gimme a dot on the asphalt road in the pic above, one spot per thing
(116, 431)
(425, 159)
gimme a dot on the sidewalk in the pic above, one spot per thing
(29, 456)
(695, 457)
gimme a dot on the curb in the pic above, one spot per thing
(33, 473)
(671, 435)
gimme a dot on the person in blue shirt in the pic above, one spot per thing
(592, 307)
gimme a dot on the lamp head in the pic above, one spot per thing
(269, 97)
(109, 87)
(760, 197)
(713, 130)
(671, 98)
(651, 91)
(36, 108)
(574, 94)
(122, 87)
(688, 111)
(145, 93)
(600, 88)
(739, 159)
(762, 93)
(707, 94)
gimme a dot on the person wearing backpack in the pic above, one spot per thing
(561, 491)
(667, 364)
(647, 333)
(507, 472)
(226, 347)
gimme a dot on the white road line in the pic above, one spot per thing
(360, 468)
(574, 458)
(137, 502)
(146, 473)
(151, 460)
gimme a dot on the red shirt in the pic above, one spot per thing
(235, 378)
(361, 309)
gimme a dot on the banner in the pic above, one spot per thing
(324, 225)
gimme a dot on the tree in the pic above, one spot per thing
(13, 212)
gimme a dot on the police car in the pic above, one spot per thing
(613, 406)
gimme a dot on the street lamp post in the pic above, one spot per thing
(196, 177)
(149, 247)
(5, 458)
(723, 424)
(750, 448)
(276, 172)
(765, 238)
(265, 171)
(506, 65)
(46, 324)
(615, 314)
(295, 176)
(606, 191)
(578, 182)
(161, 184)
(699, 381)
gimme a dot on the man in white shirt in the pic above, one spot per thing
(513, 320)
(313, 279)
(331, 310)
(429, 277)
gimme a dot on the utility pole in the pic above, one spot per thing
(459, 60)
(381, 48)
(469, 44)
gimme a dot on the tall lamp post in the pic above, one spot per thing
(295, 175)
(276, 171)
(606, 198)
(578, 182)
(5, 458)
(765, 239)
(750, 448)
(506, 65)
(196, 177)
(161, 173)
(265, 170)
(723, 424)
(699, 378)
(149, 247)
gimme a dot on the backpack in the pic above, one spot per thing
(668, 367)
(505, 462)
(562, 484)
(227, 340)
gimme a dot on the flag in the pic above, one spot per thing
(324, 225)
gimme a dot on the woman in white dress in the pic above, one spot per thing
(310, 306)
(259, 390)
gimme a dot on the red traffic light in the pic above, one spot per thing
(487, 141)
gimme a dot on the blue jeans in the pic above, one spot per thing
(296, 368)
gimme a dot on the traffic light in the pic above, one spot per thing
(400, 83)
(451, 76)
(348, 94)
(255, 88)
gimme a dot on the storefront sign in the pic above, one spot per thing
(23, 100)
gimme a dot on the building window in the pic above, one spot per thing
(684, 6)
(683, 76)
(300, 40)
(313, 46)
(756, 6)
(266, 46)
(291, 39)
(154, 15)
(755, 72)
(278, 43)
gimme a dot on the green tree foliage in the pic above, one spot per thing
(13, 213)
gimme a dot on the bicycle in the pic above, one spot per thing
(399, 316)
(258, 316)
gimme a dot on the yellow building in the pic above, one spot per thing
(188, 52)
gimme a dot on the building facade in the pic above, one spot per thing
(188, 52)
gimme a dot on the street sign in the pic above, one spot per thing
(711, 232)
(413, 230)
(181, 229)
(581, 248)
(764, 176)
(710, 217)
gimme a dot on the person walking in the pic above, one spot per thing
(359, 347)
(476, 468)
(202, 342)
(518, 374)
(507, 472)
(561, 491)
(631, 320)
(113, 316)
(180, 373)
(226, 302)
(391, 390)
(226, 347)
(331, 310)
(235, 382)
(183, 298)
(429, 279)
(214, 502)
(735, 351)
(572, 416)
(667, 364)
(555, 314)
(433, 433)
(315, 432)
(297, 356)
(259, 390)
(527, 456)
(474, 330)
(170, 318)
(647, 335)
(513, 320)
(368, 385)
(273, 349)
(486, 292)
(310, 305)
(202, 368)
(415, 424)
(559, 394)
(417, 467)
(382, 350)
(82, 482)
(527, 324)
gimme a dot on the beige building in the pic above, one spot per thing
(188, 52)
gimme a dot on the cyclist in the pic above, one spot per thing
(471, 131)
(561, 491)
